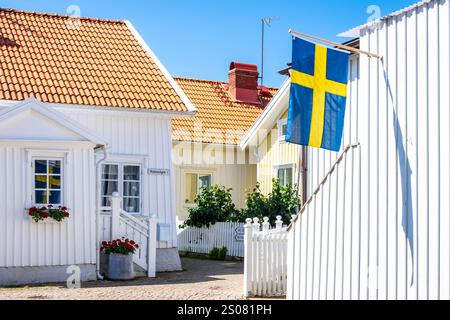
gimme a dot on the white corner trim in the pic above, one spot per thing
(266, 115)
(52, 114)
(166, 73)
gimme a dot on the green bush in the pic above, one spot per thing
(218, 254)
(214, 204)
(223, 253)
(281, 202)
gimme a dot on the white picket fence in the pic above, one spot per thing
(265, 259)
(219, 235)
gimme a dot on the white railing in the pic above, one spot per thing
(265, 261)
(219, 235)
(116, 223)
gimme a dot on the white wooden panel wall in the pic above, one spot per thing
(386, 209)
(140, 135)
(25, 243)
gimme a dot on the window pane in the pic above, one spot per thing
(131, 189)
(131, 205)
(280, 175)
(131, 173)
(283, 130)
(190, 187)
(109, 187)
(40, 166)
(40, 182)
(55, 197)
(54, 167)
(289, 176)
(54, 182)
(106, 202)
(205, 181)
(40, 197)
(110, 172)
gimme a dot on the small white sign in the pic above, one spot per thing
(239, 234)
(159, 172)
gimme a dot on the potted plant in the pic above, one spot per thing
(120, 258)
(43, 213)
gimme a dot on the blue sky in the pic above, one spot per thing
(199, 38)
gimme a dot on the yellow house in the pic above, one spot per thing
(206, 147)
(276, 159)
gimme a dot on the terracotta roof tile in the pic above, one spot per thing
(102, 63)
(219, 119)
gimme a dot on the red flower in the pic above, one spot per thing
(137, 246)
(132, 242)
(104, 243)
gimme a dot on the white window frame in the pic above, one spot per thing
(121, 182)
(41, 154)
(280, 125)
(283, 167)
(47, 189)
(186, 172)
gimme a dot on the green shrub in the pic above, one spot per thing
(218, 254)
(214, 204)
(281, 202)
(223, 253)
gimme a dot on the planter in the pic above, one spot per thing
(120, 267)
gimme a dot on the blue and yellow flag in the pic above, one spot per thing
(319, 78)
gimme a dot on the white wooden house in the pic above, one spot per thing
(205, 147)
(85, 113)
(377, 223)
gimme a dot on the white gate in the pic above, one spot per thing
(265, 262)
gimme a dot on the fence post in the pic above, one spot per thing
(116, 201)
(279, 223)
(248, 235)
(151, 247)
(266, 225)
(256, 225)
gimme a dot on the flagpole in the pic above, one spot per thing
(338, 45)
(299, 172)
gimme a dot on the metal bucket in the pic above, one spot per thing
(120, 267)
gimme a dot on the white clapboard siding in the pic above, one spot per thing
(146, 137)
(26, 243)
(219, 235)
(265, 261)
(381, 223)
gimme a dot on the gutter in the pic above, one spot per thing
(97, 207)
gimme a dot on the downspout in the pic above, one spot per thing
(97, 207)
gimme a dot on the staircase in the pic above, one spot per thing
(116, 223)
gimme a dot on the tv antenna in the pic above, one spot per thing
(265, 22)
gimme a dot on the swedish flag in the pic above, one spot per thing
(319, 78)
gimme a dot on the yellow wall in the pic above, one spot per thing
(240, 174)
(273, 153)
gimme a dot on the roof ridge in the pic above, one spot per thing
(215, 81)
(198, 79)
(59, 15)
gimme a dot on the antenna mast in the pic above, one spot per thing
(264, 22)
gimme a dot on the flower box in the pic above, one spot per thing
(120, 258)
(48, 214)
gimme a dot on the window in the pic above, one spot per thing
(282, 130)
(126, 180)
(193, 184)
(285, 174)
(47, 182)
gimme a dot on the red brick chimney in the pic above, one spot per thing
(243, 82)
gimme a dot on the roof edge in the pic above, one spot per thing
(264, 117)
(356, 31)
(189, 105)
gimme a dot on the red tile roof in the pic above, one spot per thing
(219, 118)
(102, 63)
